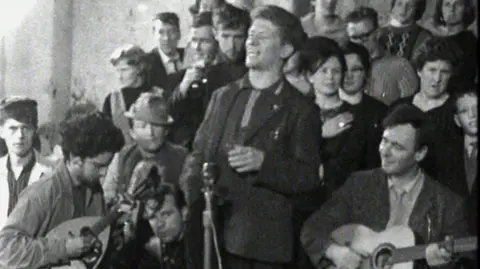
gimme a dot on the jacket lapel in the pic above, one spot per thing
(157, 61)
(219, 118)
(271, 107)
(422, 216)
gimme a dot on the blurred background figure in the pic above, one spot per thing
(166, 58)
(391, 77)
(323, 21)
(402, 36)
(131, 65)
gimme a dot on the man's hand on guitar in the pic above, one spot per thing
(343, 257)
(437, 254)
(76, 246)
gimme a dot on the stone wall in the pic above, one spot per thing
(61, 47)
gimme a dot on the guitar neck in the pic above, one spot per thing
(418, 252)
(104, 222)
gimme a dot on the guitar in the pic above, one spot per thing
(99, 227)
(393, 248)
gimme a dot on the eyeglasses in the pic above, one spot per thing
(362, 37)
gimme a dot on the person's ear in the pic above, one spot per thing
(421, 153)
(286, 51)
(457, 120)
(184, 213)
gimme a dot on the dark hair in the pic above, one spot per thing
(405, 113)
(89, 135)
(318, 50)
(231, 17)
(290, 27)
(80, 109)
(420, 6)
(437, 49)
(361, 52)
(165, 189)
(470, 90)
(24, 111)
(363, 13)
(468, 13)
(202, 19)
(168, 18)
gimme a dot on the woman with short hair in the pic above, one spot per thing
(131, 65)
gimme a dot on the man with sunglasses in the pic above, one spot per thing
(73, 190)
(391, 76)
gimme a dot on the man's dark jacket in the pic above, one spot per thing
(257, 214)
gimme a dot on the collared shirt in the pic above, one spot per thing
(469, 142)
(16, 185)
(411, 190)
(243, 108)
(172, 63)
(82, 195)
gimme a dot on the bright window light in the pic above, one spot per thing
(12, 13)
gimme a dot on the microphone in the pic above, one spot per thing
(210, 174)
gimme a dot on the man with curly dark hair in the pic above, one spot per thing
(73, 190)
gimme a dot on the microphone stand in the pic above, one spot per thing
(209, 177)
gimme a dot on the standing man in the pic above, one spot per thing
(399, 193)
(402, 36)
(323, 21)
(192, 88)
(22, 165)
(166, 58)
(231, 32)
(391, 77)
(73, 190)
(264, 137)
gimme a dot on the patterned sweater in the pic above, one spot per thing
(403, 41)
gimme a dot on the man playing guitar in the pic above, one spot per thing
(398, 194)
(73, 190)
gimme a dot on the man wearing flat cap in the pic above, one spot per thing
(21, 165)
(149, 125)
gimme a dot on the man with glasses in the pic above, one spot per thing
(391, 77)
(73, 190)
(166, 58)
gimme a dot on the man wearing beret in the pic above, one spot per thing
(21, 165)
(149, 126)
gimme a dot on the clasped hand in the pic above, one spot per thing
(245, 159)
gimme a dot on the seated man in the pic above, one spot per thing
(163, 238)
(22, 165)
(416, 200)
(149, 126)
(73, 190)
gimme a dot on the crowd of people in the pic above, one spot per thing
(312, 124)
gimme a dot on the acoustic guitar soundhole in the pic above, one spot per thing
(381, 256)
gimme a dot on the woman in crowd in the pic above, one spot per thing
(435, 66)
(451, 21)
(131, 65)
(367, 110)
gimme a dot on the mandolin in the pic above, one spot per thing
(393, 248)
(99, 227)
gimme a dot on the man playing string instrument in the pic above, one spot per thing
(73, 190)
(399, 193)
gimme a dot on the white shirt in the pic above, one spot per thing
(169, 62)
